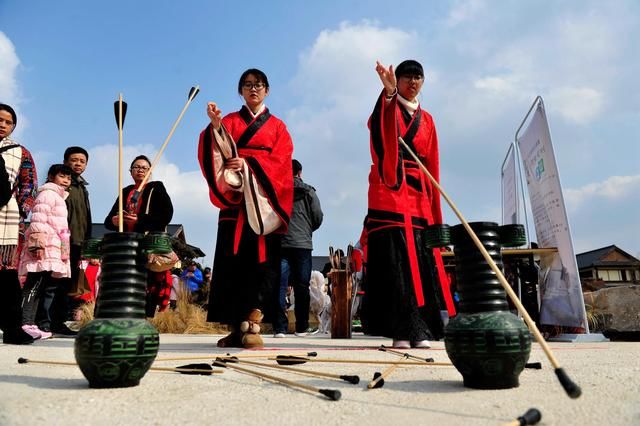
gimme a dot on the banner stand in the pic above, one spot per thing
(559, 215)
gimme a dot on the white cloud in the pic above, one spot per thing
(494, 60)
(499, 85)
(464, 11)
(605, 213)
(614, 188)
(339, 67)
(578, 104)
(9, 87)
(9, 63)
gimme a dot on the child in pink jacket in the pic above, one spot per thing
(46, 258)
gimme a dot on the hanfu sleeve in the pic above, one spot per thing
(211, 164)
(383, 129)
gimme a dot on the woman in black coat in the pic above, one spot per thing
(152, 211)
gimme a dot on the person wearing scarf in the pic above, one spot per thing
(23, 180)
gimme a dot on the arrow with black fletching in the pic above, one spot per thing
(136, 194)
(120, 111)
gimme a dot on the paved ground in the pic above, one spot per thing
(35, 394)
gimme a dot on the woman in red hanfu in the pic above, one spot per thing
(246, 159)
(405, 285)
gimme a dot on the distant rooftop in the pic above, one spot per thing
(592, 258)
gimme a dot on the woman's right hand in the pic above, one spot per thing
(387, 77)
(215, 115)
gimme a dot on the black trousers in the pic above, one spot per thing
(52, 308)
(10, 301)
(32, 293)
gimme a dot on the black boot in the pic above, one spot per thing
(11, 309)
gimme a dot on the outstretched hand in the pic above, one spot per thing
(215, 115)
(387, 77)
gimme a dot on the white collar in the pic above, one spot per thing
(260, 110)
(409, 105)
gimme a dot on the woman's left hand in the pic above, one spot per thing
(236, 164)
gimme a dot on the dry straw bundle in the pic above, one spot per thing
(187, 318)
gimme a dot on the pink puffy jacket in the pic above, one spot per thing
(48, 230)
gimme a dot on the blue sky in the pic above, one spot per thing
(63, 63)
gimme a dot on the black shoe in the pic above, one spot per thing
(16, 337)
(308, 332)
(63, 331)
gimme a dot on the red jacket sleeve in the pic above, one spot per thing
(384, 141)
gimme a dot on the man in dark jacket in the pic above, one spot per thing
(296, 254)
(79, 218)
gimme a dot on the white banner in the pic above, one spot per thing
(509, 189)
(562, 302)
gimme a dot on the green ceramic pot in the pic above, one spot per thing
(117, 348)
(157, 243)
(486, 342)
(115, 353)
(489, 349)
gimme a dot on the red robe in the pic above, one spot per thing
(265, 144)
(246, 269)
(400, 195)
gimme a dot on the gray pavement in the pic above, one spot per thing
(36, 394)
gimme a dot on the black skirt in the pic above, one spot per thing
(389, 306)
(238, 282)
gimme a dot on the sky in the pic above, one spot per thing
(64, 63)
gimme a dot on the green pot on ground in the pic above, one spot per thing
(486, 343)
(117, 348)
(116, 352)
